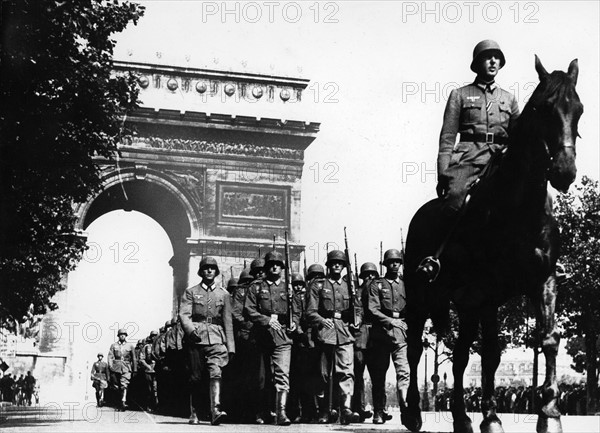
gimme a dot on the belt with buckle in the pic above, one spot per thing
(489, 138)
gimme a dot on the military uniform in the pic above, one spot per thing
(122, 362)
(483, 115)
(99, 376)
(268, 300)
(148, 364)
(205, 314)
(330, 299)
(387, 309)
(305, 362)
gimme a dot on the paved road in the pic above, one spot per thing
(85, 417)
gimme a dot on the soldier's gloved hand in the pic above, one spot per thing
(274, 324)
(442, 185)
(328, 323)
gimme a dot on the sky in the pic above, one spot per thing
(380, 74)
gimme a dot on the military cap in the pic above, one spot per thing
(315, 270)
(100, 354)
(366, 268)
(256, 265)
(206, 262)
(297, 278)
(483, 46)
(122, 331)
(153, 333)
(168, 324)
(390, 255)
(335, 255)
(274, 256)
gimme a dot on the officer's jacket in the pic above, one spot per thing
(205, 315)
(100, 370)
(174, 337)
(266, 299)
(387, 301)
(329, 299)
(147, 360)
(474, 110)
(121, 357)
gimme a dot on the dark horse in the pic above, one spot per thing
(506, 243)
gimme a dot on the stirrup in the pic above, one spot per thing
(430, 267)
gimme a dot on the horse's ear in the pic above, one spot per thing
(540, 68)
(574, 70)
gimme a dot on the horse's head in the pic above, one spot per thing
(557, 109)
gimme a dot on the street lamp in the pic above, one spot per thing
(425, 389)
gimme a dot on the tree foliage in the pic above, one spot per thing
(578, 303)
(62, 105)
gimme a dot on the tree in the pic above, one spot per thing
(62, 105)
(578, 303)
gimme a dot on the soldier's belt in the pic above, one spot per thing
(346, 316)
(394, 314)
(208, 320)
(483, 138)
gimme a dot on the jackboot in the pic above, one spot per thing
(193, 417)
(215, 402)
(280, 404)
(347, 416)
(123, 407)
(403, 406)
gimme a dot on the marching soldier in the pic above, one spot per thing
(246, 370)
(205, 315)
(368, 272)
(314, 271)
(257, 269)
(148, 363)
(173, 368)
(267, 307)
(329, 310)
(122, 363)
(305, 362)
(482, 114)
(386, 310)
(99, 378)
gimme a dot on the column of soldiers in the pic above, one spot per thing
(243, 348)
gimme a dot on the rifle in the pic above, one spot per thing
(274, 241)
(288, 283)
(380, 257)
(356, 267)
(351, 286)
(402, 246)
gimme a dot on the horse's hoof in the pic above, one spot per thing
(548, 425)
(491, 424)
(463, 425)
(413, 422)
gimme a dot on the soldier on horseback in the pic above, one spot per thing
(483, 114)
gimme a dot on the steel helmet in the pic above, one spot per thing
(486, 45)
(122, 331)
(274, 256)
(232, 284)
(390, 255)
(366, 268)
(206, 262)
(256, 265)
(245, 277)
(315, 271)
(335, 255)
(297, 278)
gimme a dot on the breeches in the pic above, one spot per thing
(212, 358)
(343, 365)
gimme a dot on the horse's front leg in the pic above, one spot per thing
(549, 414)
(412, 419)
(467, 330)
(490, 359)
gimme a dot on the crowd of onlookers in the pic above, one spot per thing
(21, 391)
(518, 399)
